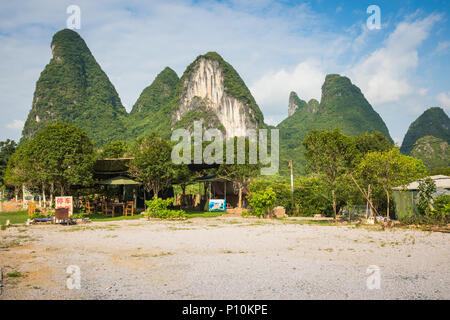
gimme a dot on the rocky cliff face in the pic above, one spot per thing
(294, 103)
(211, 89)
(433, 122)
(434, 152)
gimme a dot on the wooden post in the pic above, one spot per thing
(225, 192)
(52, 188)
(364, 193)
(144, 201)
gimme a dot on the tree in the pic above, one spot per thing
(427, 187)
(61, 154)
(442, 207)
(347, 193)
(19, 169)
(152, 164)
(7, 149)
(374, 141)
(240, 173)
(65, 155)
(114, 149)
(182, 176)
(388, 169)
(332, 154)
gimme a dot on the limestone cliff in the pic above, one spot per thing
(211, 90)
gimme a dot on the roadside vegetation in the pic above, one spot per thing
(345, 176)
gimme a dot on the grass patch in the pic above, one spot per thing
(14, 274)
(179, 228)
(109, 227)
(202, 214)
(99, 217)
(5, 245)
(232, 222)
(162, 254)
(311, 222)
(142, 255)
(14, 217)
(229, 251)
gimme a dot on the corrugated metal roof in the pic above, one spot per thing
(441, 181)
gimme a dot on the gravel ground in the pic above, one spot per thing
(223, 258)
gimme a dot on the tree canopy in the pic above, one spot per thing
(332, 154)
(152, 164)
(7, 149)
(389, 169)
(61, 154)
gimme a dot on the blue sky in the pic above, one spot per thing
(276, 47)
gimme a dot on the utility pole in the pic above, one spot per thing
(292, 182)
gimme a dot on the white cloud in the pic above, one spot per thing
(442, 47)
(16, 125)
(268, 43)
(385, 75)
(444, 100)
(423, 91)
(272, 90)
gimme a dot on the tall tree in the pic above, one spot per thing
(241, 174)
(114, 149)
(61, 154)
(332, 154)
(7, 148)
(374, 141)
(152, 164)
(388, 169)
(20, 169)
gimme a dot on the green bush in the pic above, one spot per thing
(262, 202)
(282, 192)
(441, 207)
(439, 215)
(157, 208)
(426, 189)
(311, 195)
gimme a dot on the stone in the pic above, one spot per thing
(279, 212)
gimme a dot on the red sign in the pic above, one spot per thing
(64, 202)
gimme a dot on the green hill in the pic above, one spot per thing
(433, 122)
(74, 89)
(434, 152)
(152, 111)
(342, 105)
